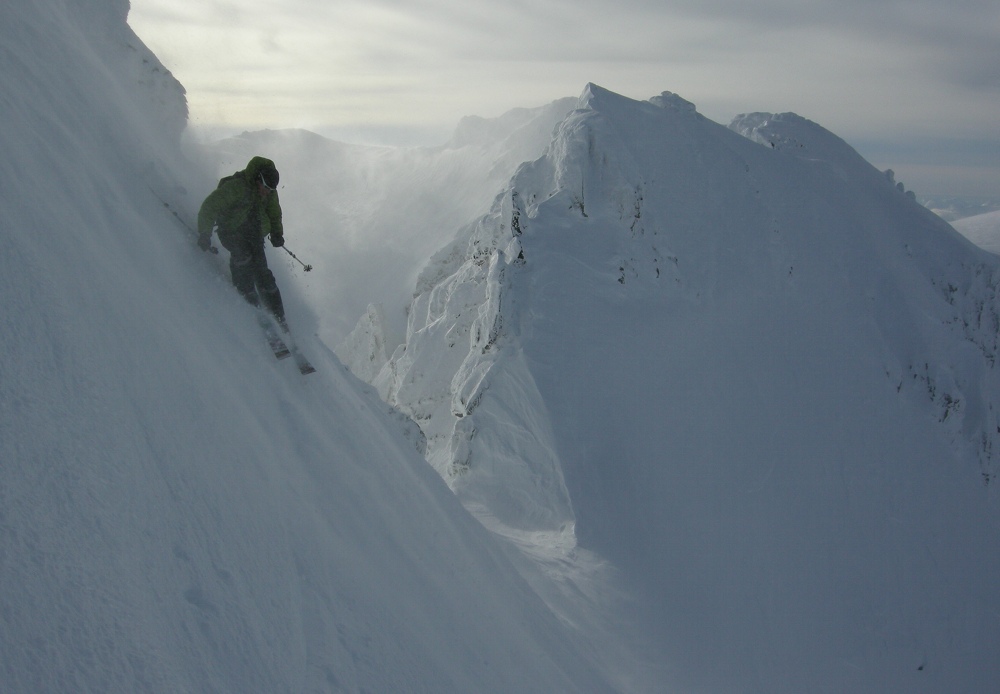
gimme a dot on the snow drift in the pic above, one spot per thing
(178, 511)
(745, 368)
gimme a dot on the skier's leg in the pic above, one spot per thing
(241, 267)
(272, 300)
(267, 286)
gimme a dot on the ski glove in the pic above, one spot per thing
(205, 243)
(277, 240)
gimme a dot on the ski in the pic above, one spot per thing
(300, 361)
(283, 347)
(274, 340)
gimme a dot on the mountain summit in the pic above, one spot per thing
(746, 369)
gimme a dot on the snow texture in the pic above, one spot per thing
(705, 409)
(178, 511)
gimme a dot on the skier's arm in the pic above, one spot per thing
(273, 209)
(209, 212)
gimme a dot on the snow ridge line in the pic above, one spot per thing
(464, 303)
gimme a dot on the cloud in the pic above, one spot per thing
(860, 68)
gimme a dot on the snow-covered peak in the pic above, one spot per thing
(792, 132)
(800, 137)
(717, 364)
(673, 101)
(593, 94)
(598, 98)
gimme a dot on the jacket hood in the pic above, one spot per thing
(259, 165)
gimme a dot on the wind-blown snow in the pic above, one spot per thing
(354, 211)
(178, 511)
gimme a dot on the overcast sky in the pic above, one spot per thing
(912, 84)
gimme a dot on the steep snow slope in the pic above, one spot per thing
(748, 371)
(178, 511)
(368, 218)
(982, 229)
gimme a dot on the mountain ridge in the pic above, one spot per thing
(793, 298)
(726, 410)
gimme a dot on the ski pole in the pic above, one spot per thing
(307, 267)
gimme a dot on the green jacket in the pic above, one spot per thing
(237, 202)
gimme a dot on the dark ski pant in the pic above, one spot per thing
(251, 276)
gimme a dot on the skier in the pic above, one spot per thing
(244, 209)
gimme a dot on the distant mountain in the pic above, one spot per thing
(951, 208)
(747, 371)
(983, 230)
